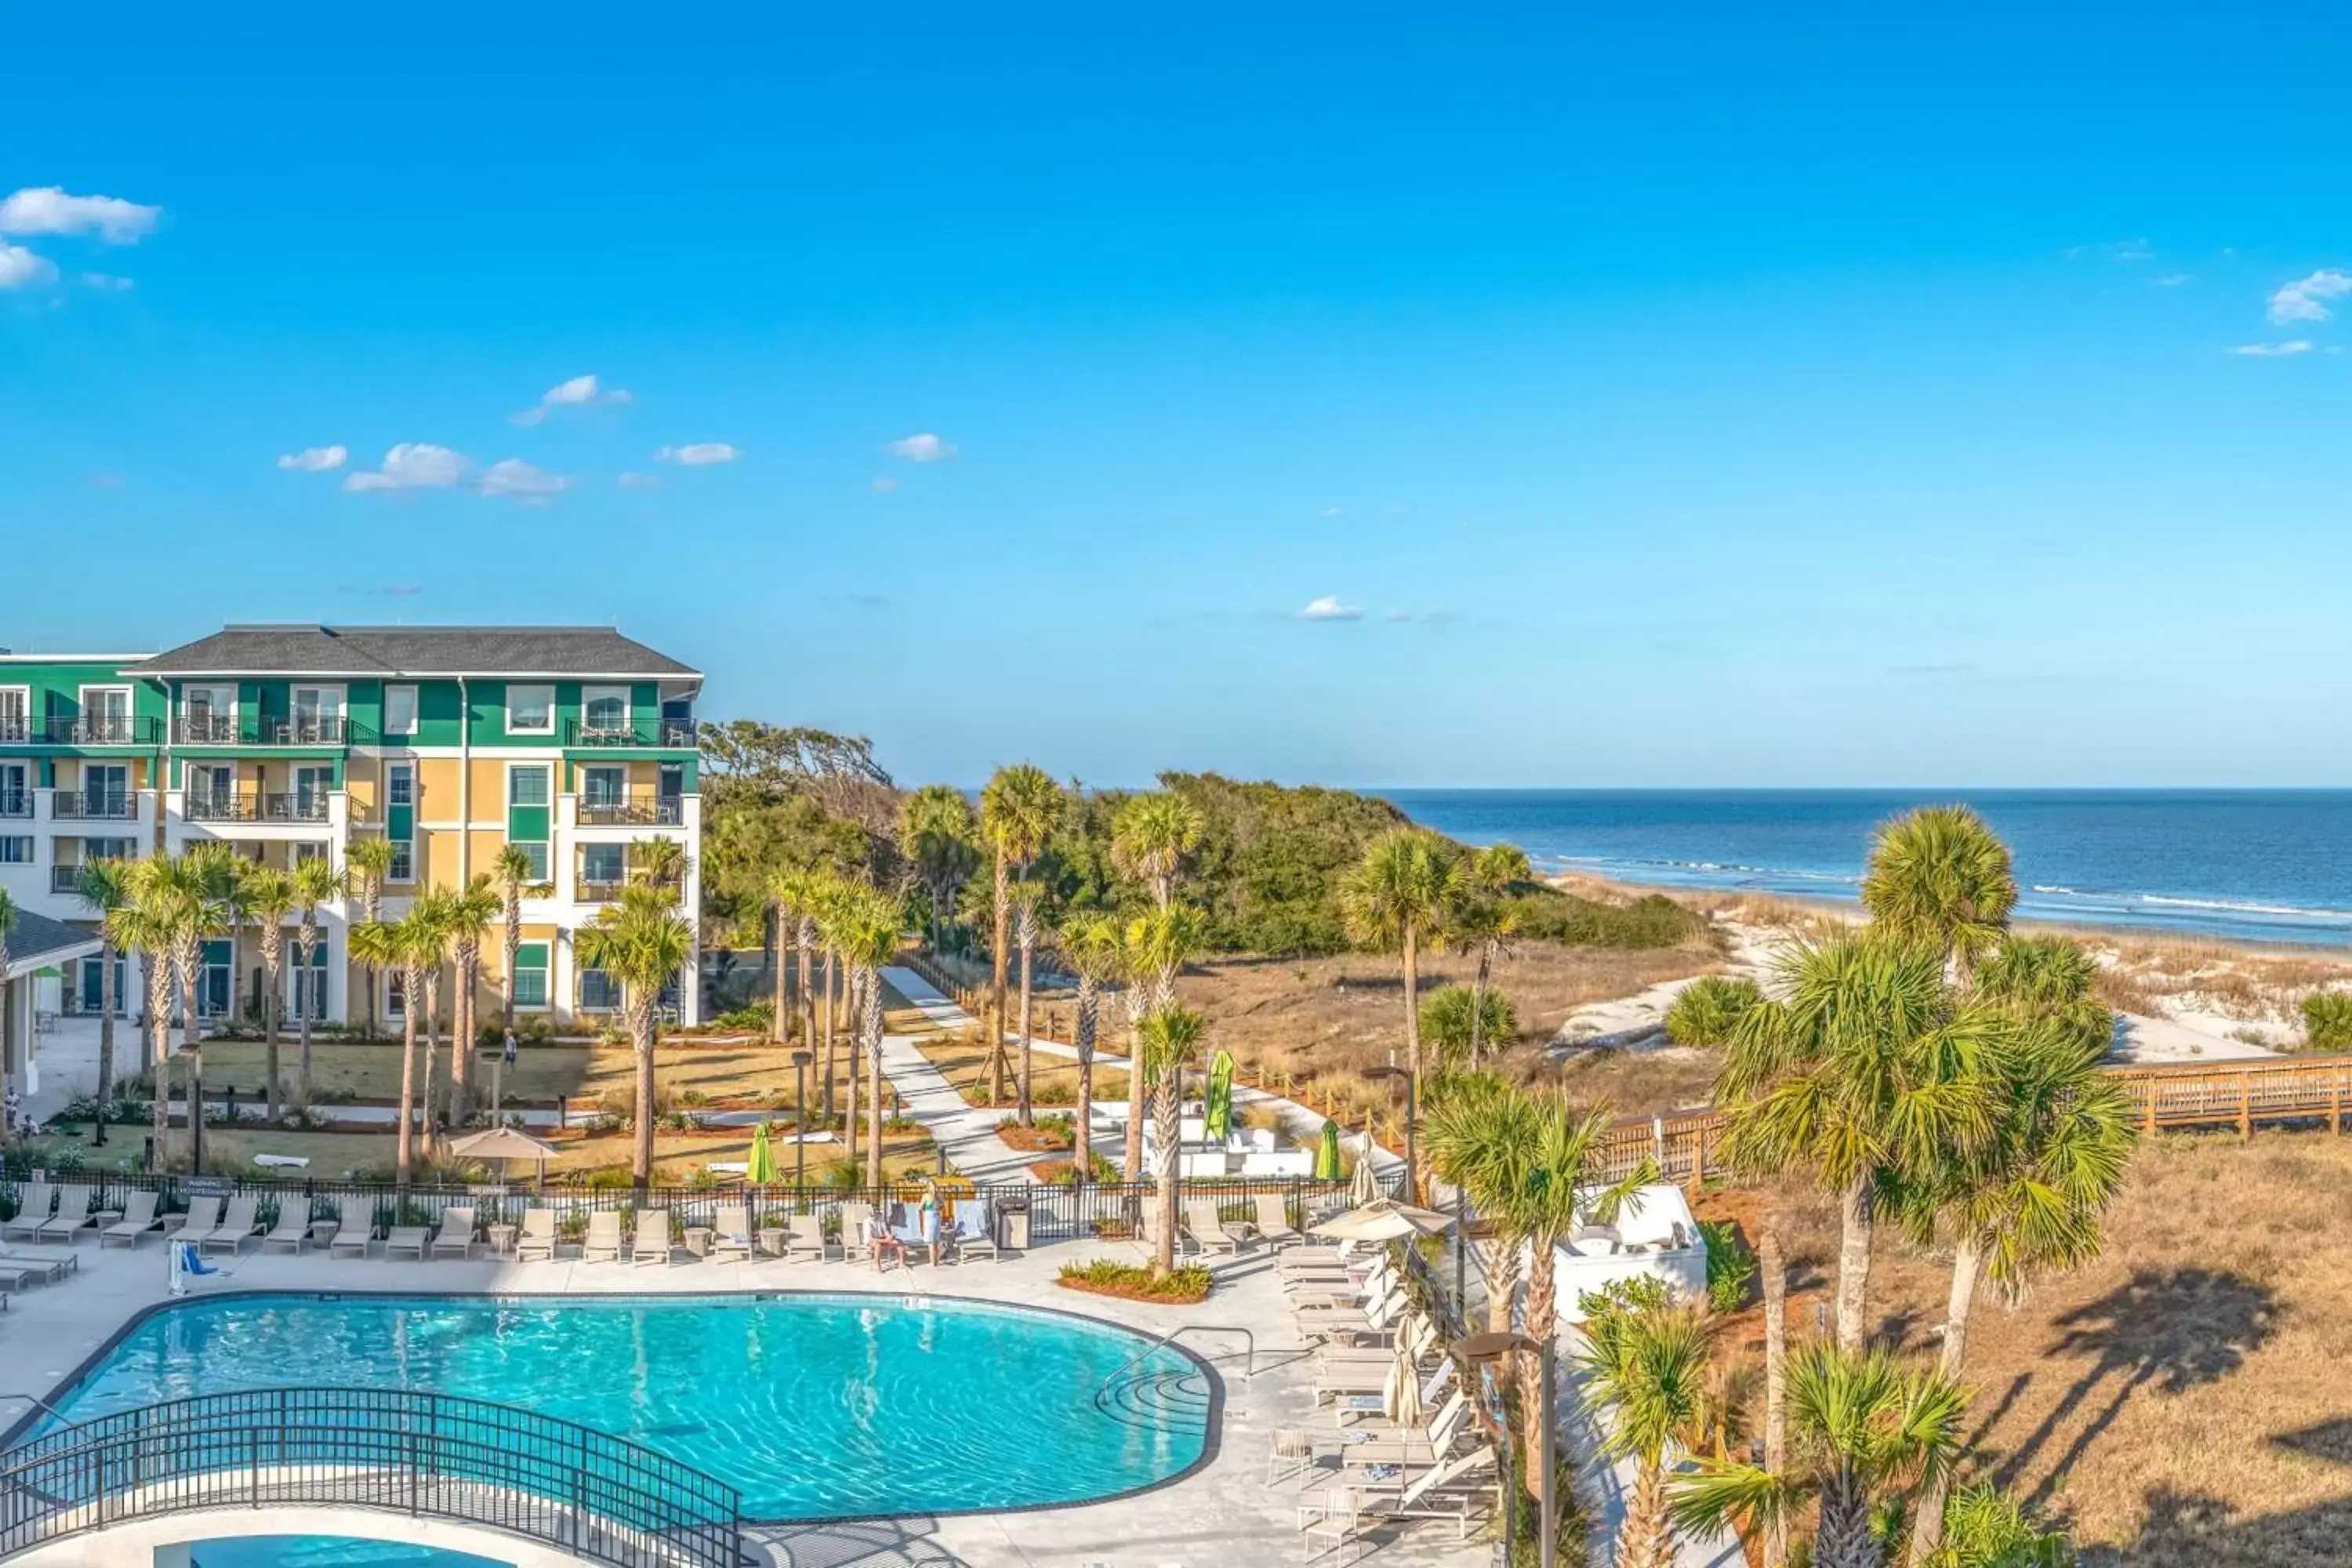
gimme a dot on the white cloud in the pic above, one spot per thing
(2273, 351)
(633, 480)
(20, 269)
(2170, 279)
(47, 209)
(412, 465)
(1329, 511)
(885, 485)
(923, 449)
(107, 282)
(1329, 609)
(313, 459)
(578, 393)
(513, 476)
(2305, 299)
(697, 453)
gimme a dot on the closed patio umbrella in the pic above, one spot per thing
(1404, 1385)
(761, 1169)
(1327, 1154)
(1217, 1110)
(1366, 1187)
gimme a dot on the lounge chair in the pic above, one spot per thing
(1208, 1229)
(203, 1216)
(411, 1239)
(241, 1221)
(731, 1238)
(650, 1240)
(1274, 1226)
(137, 1219)
(973, 1234)
(537, 1238)
(1449, 1490)
(13, 1274)
(602, 1244)
(854, 1218)
(456, 1232)
(355, 1227)
(71, 1220)
(1427, 1444)
(18, 1266)
(804, 1237)
(34, 1202)
(292, 1230)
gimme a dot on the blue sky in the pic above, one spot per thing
(1712, 396)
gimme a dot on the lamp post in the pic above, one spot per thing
(1412, 1127)
(801, 1059)
(1487, 1350)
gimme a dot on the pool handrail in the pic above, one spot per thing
(599, 1497)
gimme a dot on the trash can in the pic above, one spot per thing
(1013, 1224)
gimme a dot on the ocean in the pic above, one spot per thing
(2246, 865)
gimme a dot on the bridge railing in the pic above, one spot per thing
(427, 1454)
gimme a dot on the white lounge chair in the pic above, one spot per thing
(34, 1202)
(19, 1266)
(602, 1243)
(804, 1237)
(456, 1232)
(241, 1221)
(355, 1228)
(292, 1230)
(71, 1220)
(411, 1239)
(731, 1238)
(1208, 1229)
(973, 1234)
(650, 1240)
(1450, 1490)
(1274, 1226)
(537, 1238)
(137, 1219)
(203, 1216)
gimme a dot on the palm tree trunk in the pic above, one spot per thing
(1646, 1540)
(1968, 1264)
(461, 1035)
(1502, 1282)
(1132, 1154)
(641, 1035)
(849, 1109)
(1776, 1378)
(105, 1024)
(996, 986)
(1165, 1125)
(1543, 1307)
(1082, 1151)
(306, 954)
(870, 1028)
(1854, 1264)
(411, 998)
(513, 957)
(431, 1049)
(1478, 1002)
(801, 937)
(780, 1022)
(191, 1045)
(1843, 1538)
(828, 1041)
(1412, 1003)
(1028, 952)
(272, 963)
(159, 1034)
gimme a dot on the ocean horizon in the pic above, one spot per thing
(2246, 865)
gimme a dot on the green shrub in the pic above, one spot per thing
(1135, 1281)
(1731, 1267)
(2328, 1020)
(1445, 1015)
(1709, 1008)
(1652, 920)
(1984, 1528)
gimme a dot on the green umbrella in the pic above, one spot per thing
(1217, 1112)
(1327, 1154)
(761, 1168)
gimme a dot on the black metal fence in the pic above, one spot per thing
(419, 1454)
(1109, 1210)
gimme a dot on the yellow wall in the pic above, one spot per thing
(436, 789)
(438, 864)
(365, 790)
(489, 790)
(485, 850)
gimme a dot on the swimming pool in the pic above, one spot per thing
(815, 1405)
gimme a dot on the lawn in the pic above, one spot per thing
(2175, 1401)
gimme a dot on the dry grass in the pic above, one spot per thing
(962, 1059)
(718, 1073)
(2181, 1400)
(2159, 977)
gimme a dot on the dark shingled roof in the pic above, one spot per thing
(415, 650)
(36, 940)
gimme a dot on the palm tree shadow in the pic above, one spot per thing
(2188, 1527)
(2172, 1329)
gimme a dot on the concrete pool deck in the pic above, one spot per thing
(1222, 1513)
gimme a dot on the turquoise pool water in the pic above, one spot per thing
(815, 1406)
(323, 1552)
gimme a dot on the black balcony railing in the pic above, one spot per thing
(222, 809)
(632, 811)
(269, 729)
(296, 808)
(206, 730)
(599, 891)
(579, 1490)
(86, 729)
(65, 879)
(667, 734)
(15, 731)
(94, 806)
(16, 803)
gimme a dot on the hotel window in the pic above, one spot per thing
(15, 851)
(537, 854)
(400, 786)
(531, 974)
(604, 709)
(395, 993)
(598, 994)
(601, 863)
(106, 715)
(530, 710)
(15, 714)
(110, 848)
(400, 709)
(603, 788)
(527, 786)
(208, 713)
(404, 862)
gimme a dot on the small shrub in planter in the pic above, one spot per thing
(1729, 1266)
(1136, 1282)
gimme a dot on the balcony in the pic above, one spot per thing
(17, 804)
(269, 729)
(274, 806)
(632, 811)
(65, 879)
(664, 734)
(82, 729)
(93, 805)
(295, 807)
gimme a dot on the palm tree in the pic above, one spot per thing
(103, 887)
(1026, 898)
(316, 881)
(1653, 1371)
(145, 924)
(470, 910)
(269, 897)
(1478, 1130)
(863, 927)
(1487, 919)
(1168, 1038)
(370, 861)
(2029, 1201)
(2050, 977)
(642, 943)
(1150, 835)
(936, 828)
(198, 886)
(1156, 947)
(799, 891)
(398, 945)
(1399, 899)
(514, 871)
(1865, 1431)
(1938, 876)
(1866, 1070)
(1091, 946)
(659, 862)
(1017, 810)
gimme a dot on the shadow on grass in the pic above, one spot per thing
(2184, 1528)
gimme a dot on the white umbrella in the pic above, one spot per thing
(504, 1143)
(1366, 1187)
(1404, 1386)
(1384, 1220)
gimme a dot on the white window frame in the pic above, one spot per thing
(619, 797)
(24, 695)
(546, 770)
(545, 970)
(25, 839)
(402, 846)
(590, 694)
(546, 729)
(389, 726)
(130, 705)
(400, 770)
(216, 688)
(620, 861)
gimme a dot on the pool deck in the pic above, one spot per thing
(1222, 1514)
